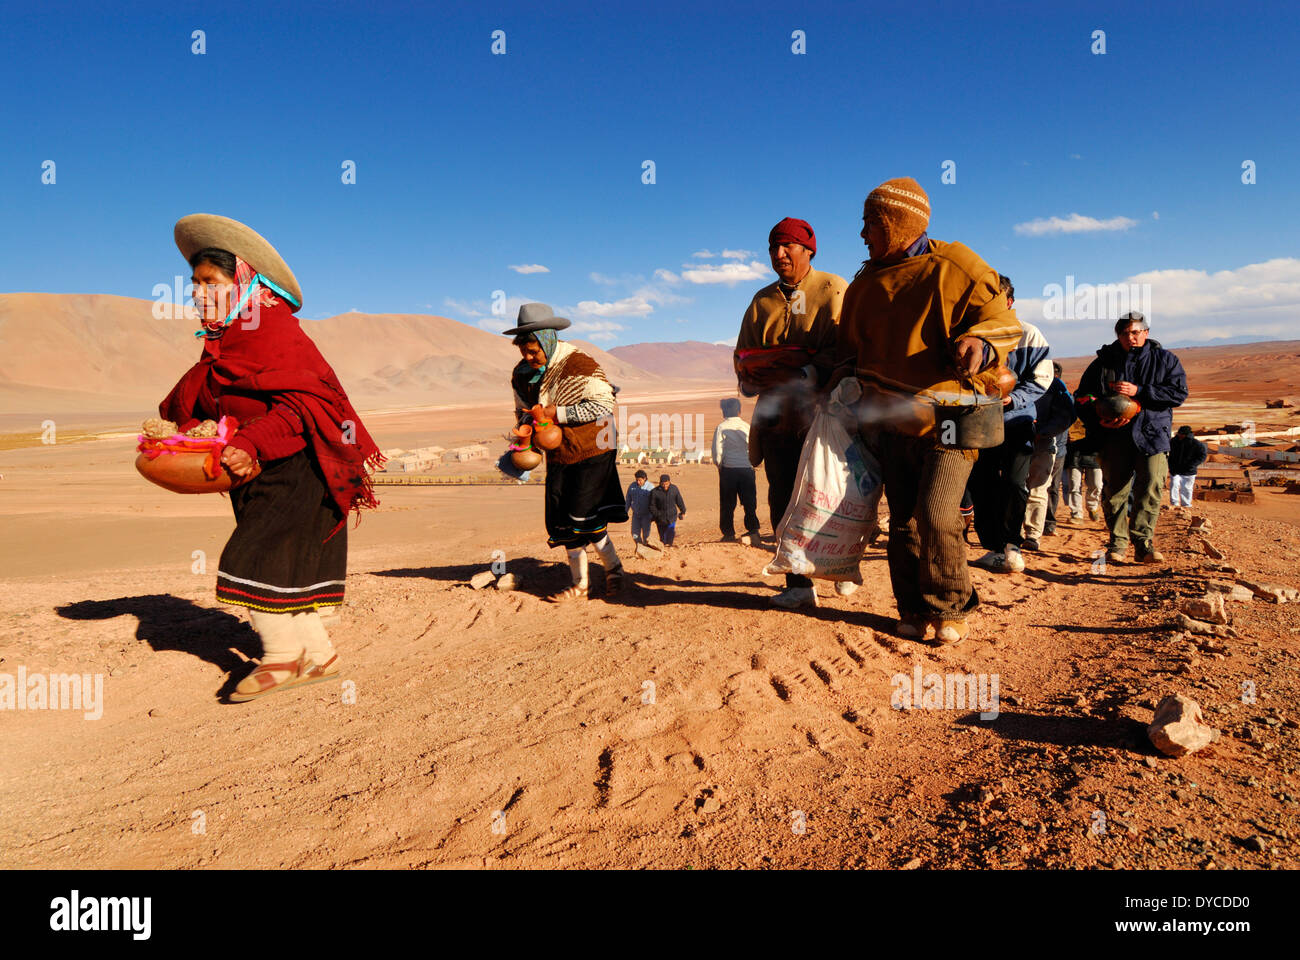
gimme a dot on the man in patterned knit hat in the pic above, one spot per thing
(921, 319)
(785, 353)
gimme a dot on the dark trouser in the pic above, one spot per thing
(640, 526)
(1127, 471)
(999, 487)
(666, 532)
(927, 556)
(781, 463)
(733, 483)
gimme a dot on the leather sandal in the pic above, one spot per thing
(564, 596)
(301, 673)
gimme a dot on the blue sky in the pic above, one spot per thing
(470, 163)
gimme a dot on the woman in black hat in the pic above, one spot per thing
(583, 493)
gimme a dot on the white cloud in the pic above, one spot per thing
(634, 306)
(727, 273)
(464, 308)
(667, 276)
(704, 254)
(1074, 223)
(529, 268)
(724, 343)
(1259, 300)
(737, 254)
(1155, 214)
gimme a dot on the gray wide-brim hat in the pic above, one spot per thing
(534, 317)
(200, 230)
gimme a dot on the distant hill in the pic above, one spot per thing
(690, 359)
(92, 353)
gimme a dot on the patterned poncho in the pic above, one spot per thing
(572, 378)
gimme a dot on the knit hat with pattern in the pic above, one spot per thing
(902, 208)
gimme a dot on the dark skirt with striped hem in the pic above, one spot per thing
(278, 560)
(581, 499)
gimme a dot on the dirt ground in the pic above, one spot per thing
(683, 724)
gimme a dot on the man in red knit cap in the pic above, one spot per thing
(785, 353)
(923, 319)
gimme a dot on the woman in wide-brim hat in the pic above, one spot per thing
(583, 492)
(287, 558)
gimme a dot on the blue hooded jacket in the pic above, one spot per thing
(1161, 382)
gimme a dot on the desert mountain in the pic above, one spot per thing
(75, 353)
(690, 360)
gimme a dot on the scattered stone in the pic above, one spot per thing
(1210, 549)
(1208, 608)
(911, 864)
(1233, 592)
(482, 579)
(508, 581)
(1206, 629)
(1256, 843)
(1178, 727)
(1272, 592)
(1200, 523)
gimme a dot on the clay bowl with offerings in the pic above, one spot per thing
(188, 463)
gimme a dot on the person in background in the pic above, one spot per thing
(921, 317)
(1055, 411)
(637, 503)
(1186, 454)
(735, 474)
(998, 481)
(667, 507)
(1133, 450)
(785, 353)
(1082, 474)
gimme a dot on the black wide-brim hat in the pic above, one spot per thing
(536, 316)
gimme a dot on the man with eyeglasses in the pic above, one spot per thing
(1133, 450)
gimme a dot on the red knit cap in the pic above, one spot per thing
(791, 230)
(902, 208)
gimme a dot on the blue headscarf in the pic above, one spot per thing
(546, 339)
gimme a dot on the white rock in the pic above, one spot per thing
(1208, 608)
(508, 581)
(1179, 728)
(484, 578)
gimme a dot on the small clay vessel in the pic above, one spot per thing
(525, 459)
(546, 435)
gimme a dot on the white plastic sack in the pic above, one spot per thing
(833, 513)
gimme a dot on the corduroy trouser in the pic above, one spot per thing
(1125, 470)
(927, 556)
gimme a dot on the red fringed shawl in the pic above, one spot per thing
(277, 358)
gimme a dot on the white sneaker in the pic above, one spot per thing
(992, 561)
(792, 598)
(846, 588)
(1012, 560)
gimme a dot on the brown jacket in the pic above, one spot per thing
(901, 320)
